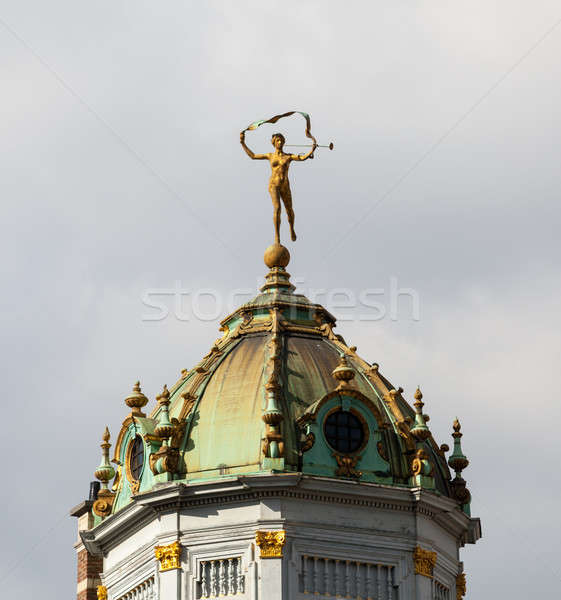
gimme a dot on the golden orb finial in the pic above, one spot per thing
(276, 255)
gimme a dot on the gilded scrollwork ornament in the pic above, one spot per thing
(270, 543)
(169, 556)
(461, 586)
(347, 466)
(421, 465)
(424, 561)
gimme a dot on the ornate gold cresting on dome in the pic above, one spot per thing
(101, 592)
(424, 561)
(273, 446)
(270, 543)
(105, 472)
(169, 556)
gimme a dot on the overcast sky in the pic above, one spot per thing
(122, 173)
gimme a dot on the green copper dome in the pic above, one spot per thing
(280, 392)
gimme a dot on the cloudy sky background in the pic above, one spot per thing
(122, 172)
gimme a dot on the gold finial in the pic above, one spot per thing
(420, 430)
(105, 471)
(343, 372)
(458, 461)
(276, 255)
(106, 435)
(164, 428)
(136, 400)
(277, 258)
(164, 396)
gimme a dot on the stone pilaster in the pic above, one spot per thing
(272, 576)
(169, 558)
(424, 562)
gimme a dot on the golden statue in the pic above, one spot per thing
(279, 185)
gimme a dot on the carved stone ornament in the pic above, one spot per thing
(104, 504)
(459, 490)
(270, 543)
(424, 561)
(347, 466)
(460, 586)
(165, 460)
(169, 556)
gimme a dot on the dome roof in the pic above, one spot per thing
(281, 392)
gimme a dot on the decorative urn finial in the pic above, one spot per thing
(420, 430)
(136, 400)
(105, 472)
(343, 372)
(458, 461)
(165, 427)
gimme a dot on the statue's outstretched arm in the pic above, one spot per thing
(305, 156)
(249, 152)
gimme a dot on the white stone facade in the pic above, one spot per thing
(343, 539)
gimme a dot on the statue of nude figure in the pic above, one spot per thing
(279, 186)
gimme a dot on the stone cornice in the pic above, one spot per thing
(175, 496)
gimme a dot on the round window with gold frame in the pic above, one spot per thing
(135, 461)
(345, 431)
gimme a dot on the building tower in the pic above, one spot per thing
(282, 465)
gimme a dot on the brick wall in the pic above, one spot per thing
(89, 568)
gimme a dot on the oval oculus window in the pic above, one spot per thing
(344, 431)
(136, 460)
